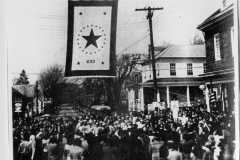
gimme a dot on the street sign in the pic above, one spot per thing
(91, 38)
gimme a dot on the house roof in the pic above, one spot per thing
(25, 90)
(73, 80)
(159, 48)
(183, 51)
(216, 16)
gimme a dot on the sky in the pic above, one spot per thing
(37, 29)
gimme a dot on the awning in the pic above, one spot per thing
(221, 76)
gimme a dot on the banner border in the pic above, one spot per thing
(111, 72)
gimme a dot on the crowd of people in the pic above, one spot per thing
(195, 135)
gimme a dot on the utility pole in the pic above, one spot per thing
(149, 17)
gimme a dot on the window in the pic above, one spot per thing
(189, 69)
(204, 67)
(172, 69)
(217, 47)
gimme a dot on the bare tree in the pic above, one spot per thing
(49, 81)
(197, 39)
(23, 79)
(111, 88)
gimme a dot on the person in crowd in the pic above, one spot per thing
(61, 142)
(52, 148)
(45, 142)
(24, 149)
(155, 148)
(75, 151)
(163, 151)
(197, 150)
(16, 143)
(207, 154)
(173, 153)
(196, 135)
(108, 150)
(39, 147)
(32, 143)
(173, 134)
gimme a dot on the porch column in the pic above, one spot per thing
(168, 97)
(158, 95)
(188, 96)
(131, 100)
(222, 97)
(141, 97)
(207, 98)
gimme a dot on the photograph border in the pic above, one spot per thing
(6, 110)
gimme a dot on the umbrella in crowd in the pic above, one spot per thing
(45, 115)
(100, 107)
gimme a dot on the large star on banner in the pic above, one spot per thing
(91, 39)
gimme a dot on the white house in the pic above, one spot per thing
(177, 70)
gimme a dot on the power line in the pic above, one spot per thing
(127, 24)
(134, 43)
(28, 73)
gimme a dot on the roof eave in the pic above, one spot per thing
(206, 23)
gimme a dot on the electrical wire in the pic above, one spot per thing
(134, 43)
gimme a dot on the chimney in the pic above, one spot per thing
(226, 3)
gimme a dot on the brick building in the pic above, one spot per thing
(219, 77)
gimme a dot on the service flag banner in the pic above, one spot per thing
(91, 41)
(213, 97)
